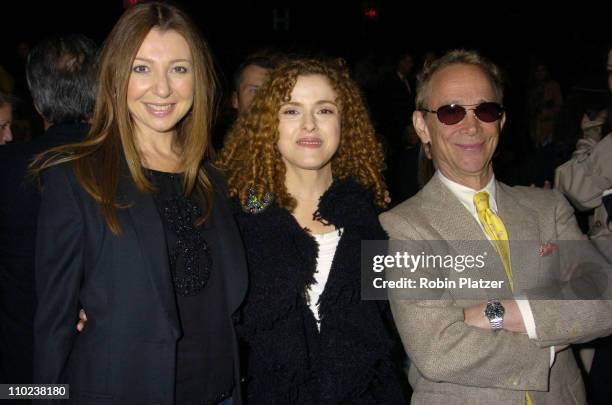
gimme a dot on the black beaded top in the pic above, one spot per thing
(204, 358)
(190, 259)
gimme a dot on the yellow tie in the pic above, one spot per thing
(496, 231)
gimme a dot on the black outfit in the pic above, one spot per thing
(288, 360)
(204, 360)
(19, 203)
(394, 105)
(131, 347)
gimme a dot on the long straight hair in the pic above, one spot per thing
(97, 160)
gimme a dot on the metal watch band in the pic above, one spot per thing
(496, 323)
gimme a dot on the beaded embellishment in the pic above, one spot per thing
(190, 257)
(254, 205)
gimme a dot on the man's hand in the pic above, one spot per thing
(82, 320)
(594, 121)
(513, 320)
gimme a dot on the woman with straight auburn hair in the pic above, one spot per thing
(135, 230)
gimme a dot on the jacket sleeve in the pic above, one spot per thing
(59, 270)
(445, 349)
(572, 320)
(588, 173)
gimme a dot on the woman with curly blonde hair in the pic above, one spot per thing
(305, 167)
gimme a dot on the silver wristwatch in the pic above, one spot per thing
(495, 314)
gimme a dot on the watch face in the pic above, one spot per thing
(494, 310)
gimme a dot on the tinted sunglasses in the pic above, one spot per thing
(454, 113)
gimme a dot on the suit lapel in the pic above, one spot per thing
(150, 233)
(230, 252)
(447, 215)
(524, 233)
(462, 234)
(459, 228)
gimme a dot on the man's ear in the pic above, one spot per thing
(235, 100)
(418, 121)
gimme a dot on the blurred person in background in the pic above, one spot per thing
(7, 83)
(544, 102)
(6, 118)
(586, 180)
(61, 77)
(392, 108)
(250, 75)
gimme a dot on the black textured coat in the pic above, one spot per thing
(288, 360)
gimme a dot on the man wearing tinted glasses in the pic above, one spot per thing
(483, 350)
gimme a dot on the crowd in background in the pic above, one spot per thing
(545, 125)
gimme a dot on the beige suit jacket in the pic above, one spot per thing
(584, 178)
(453, 363)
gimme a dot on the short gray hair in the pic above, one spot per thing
(457, 56)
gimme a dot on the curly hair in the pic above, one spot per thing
(252, 161)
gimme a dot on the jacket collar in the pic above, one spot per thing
(65, 133)
(458, 227)
(519, 219)
(345, 203)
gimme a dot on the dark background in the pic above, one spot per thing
(570, 37)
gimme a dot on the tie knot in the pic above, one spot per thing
(481, 201)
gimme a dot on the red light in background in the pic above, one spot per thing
(370, 13)
(129, 3)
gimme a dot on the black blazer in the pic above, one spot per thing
(19, 203)
(127, 352)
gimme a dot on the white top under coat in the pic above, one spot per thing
(328, 243)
